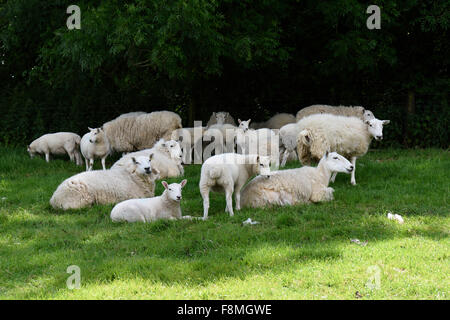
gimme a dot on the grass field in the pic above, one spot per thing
(301, 252)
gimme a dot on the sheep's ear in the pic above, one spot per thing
(257, 159)
(155, 171)
(165, 185)
(326, 154)
(306, 137)
(249, 120)
(239, 120)
(90, 129)
(151, 156)
(183, 183)
(101, 128)
(367, 122)
(134, 160)
(386, 121)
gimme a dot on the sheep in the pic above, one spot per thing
(126, 134)
(57, 143)
(275, 122)
(189, 138)
(294, 186)
(288, 141)
(351, 111)
(131, 114)
(165, 206)
(223, 134)
(136, 180)
(94, 144)
(349, 136)
(220, 118)
(166, 157)
(228, 172)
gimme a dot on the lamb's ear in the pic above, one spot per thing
(155, 172)
(90, 129)
(386, 121)
(165, 184)
(183, 183)
(134, 160)
(249, 120)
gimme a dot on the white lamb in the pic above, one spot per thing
(166, 157)
(228, 172)
(57, 143)
(302, 185)
(220, 118)
(350, 111)
(166, 206)
(136, 180)
(95, 144)
(126, 134)
(349, 136)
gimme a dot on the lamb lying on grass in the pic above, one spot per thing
(57, 143)
(136, 180)
(302, 185)
(166, 206)
(229, 172)
(94, 144)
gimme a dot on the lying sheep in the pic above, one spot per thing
(294, 186)
(228, 172)
(126, 134)
(131, 114)
(95, 144)
(166, 206)
(57, 143)
(220, 118)
(276, 122)
(166, 157)
(349, 136)
(136, 180)
(357, 111)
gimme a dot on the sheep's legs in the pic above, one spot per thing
(205, 195)
(353, 180)
(285, 157)
(47, 157)
(228, 196)
(333, 177)
(103, 163)
(87, 164)
(91, 164)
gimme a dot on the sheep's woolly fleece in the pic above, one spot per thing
(348, 111)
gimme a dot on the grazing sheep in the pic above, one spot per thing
(302, 185)
(166, 206)
(166, 157)
(94, 144)
(276, 122)
(228, 172)
(220, 118)
(349, 136)
(136, 180)
(126, 134)
(57, 143)
(356, 111)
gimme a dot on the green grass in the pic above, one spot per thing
(300, 252)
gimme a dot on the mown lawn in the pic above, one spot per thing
(301, 252)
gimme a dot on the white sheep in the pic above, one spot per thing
(275, 122)
(220, 118)
(166, 157)
(126, 134)
(95, 144)
(349, 136)
(57, 143)
(356, 111)
(131, 114)
(136, 180)
(228, 172)
(294, 186)
(165, 206)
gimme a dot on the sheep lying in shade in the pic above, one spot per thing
(166, 206)
(95, 144)
(57, 143)
(350, 111)
(294, 186)
(349, 136)
(229, 172)
(136, 180)
(127, 134)
(220, 118)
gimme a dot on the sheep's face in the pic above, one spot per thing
(97, 135)
(30, 152)
(244, 125)
(174, 190)
(143, 165)
(263, 164)
(375, 128)
(337, 163)
(174, 149)
(368, 115)
(220, 117)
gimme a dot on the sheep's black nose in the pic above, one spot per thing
(380, 137)
(178, 197)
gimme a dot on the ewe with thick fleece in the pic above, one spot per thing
(57, 143)
(351, 111)
(221, 118)
(94, 144)
(166, 206)
(289, 187)
(131, 114)
(349, 136)
(126, 134)
(228, 172)
(166, 157)
(137, 180)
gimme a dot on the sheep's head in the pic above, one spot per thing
(173, 190)
(30, 151)
(337, 163)
(174, 149)
(142, 165)
(97, 135)
(305, 146)
(263, 165)
(244, 125)
(375, 127)
(220, 117)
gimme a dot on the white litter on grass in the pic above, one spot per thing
(397, 217)
(358, 242)
(249, 221)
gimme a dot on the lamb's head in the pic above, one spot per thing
(97, 135)
(173, 190)
(174, 149)
(220, 117)
(263, 165)
(142, 165)
(337, 163)
(368, 115)
(375, 127)
(244, 125)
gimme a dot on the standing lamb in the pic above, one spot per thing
(221, 118)
(126, 134)
(166, 206)
(351, 111)
(349, 136)
(228, 172)
(302, 185)
(57, 143)
(94, 144)
(136, 180)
